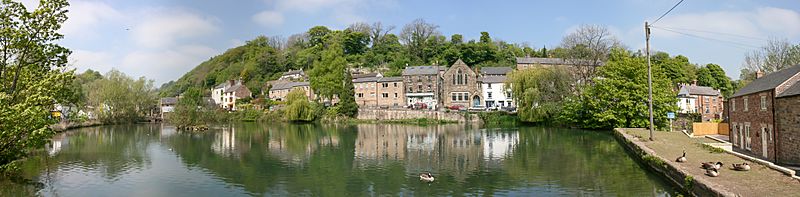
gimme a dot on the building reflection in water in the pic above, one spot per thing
(453, 148)
(225, 141)
(56, 143)
(296, 146)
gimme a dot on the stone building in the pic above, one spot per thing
(460, 87)
(422, 84)
(279, 91)
(379, 91)
(495, 71)
(753, 115)
(787, 108)
(702, 100)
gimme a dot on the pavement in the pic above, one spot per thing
(761, 180)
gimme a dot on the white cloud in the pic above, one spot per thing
(165, 65)
(269, 18)
(95, 60)
(84, 16)
(342, 11)
(164, 28)
(30, 4)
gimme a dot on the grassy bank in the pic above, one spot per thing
(499, 118)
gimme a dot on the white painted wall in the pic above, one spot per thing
(499, 94)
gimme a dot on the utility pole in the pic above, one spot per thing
(649, 77)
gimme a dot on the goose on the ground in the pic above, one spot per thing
(712, 165)
(682, 158)
(712, 172)
(741, 167)
(426, 176)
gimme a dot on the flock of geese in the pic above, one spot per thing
(712, 168)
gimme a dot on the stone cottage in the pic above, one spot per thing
(753, 115)
(787, 110)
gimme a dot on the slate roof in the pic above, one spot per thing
(493, 79)
(548, 61)
(768, 82)
(495, 70)
(288, 85)
(791, 91)
(234, 88)
(422, 70)
(698, 90)
(365, 79)
(390, 79)
(169, 101)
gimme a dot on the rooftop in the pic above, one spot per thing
(422, 70)
(769, 82)
(791, 91)
(288, 85)
(698, 90)
(493, 79)
(495, 70)
(169, 100)
(551, 61)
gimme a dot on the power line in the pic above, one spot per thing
(713, 32)
(740, 45)
(665, 13)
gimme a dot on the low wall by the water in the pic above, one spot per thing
(403, 114)
(660, 165)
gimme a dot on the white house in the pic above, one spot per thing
(226, 94)
(495, 93)
(293, 75)
(167, 105)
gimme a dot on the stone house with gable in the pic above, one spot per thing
(460, 87)
(754, 117)
(226, 94)
(787, 108)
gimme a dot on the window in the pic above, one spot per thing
(733, 104)
(489, 96)
(419, 87)
(360, 95)
(395, 84)
(745, 103)
(707, 110)
(489, 86)
(395, 95)
(385, 85)
(747, 135)
(385, 95)
(460, 78)
(371, 94)
(429, 87)
(763, 103)
(454, 96)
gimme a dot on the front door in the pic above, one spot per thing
(741, 138)
(764, 136)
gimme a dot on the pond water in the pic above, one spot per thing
(251, 159)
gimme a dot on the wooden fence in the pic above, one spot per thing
(709, 128)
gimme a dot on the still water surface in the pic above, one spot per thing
(251, 159)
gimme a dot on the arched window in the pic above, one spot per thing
(460, 77)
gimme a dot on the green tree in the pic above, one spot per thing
(328, 74)
(619, 97)
(713, 76)
(31, 77)
(119, 98)
(540, 92)
(298, 108)
(347, 102)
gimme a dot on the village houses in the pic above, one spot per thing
(374, 90)
(226, 94)
(764, 117)
(702, 100)
(495, 93)
(167, 105)
(279, 91)
(422, 84)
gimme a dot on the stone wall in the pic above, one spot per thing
(756, 119)
(788, 133)
(401, 114)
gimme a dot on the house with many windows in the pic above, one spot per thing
(495, 93)
(754, 117)
(461, 87)
(702, 100)
(378, 91)
(226, 94)
(279, 91)
(422, 85)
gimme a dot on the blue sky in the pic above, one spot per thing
(162, 40)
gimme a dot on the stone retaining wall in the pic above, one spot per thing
(401, 114)
(660, 165)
